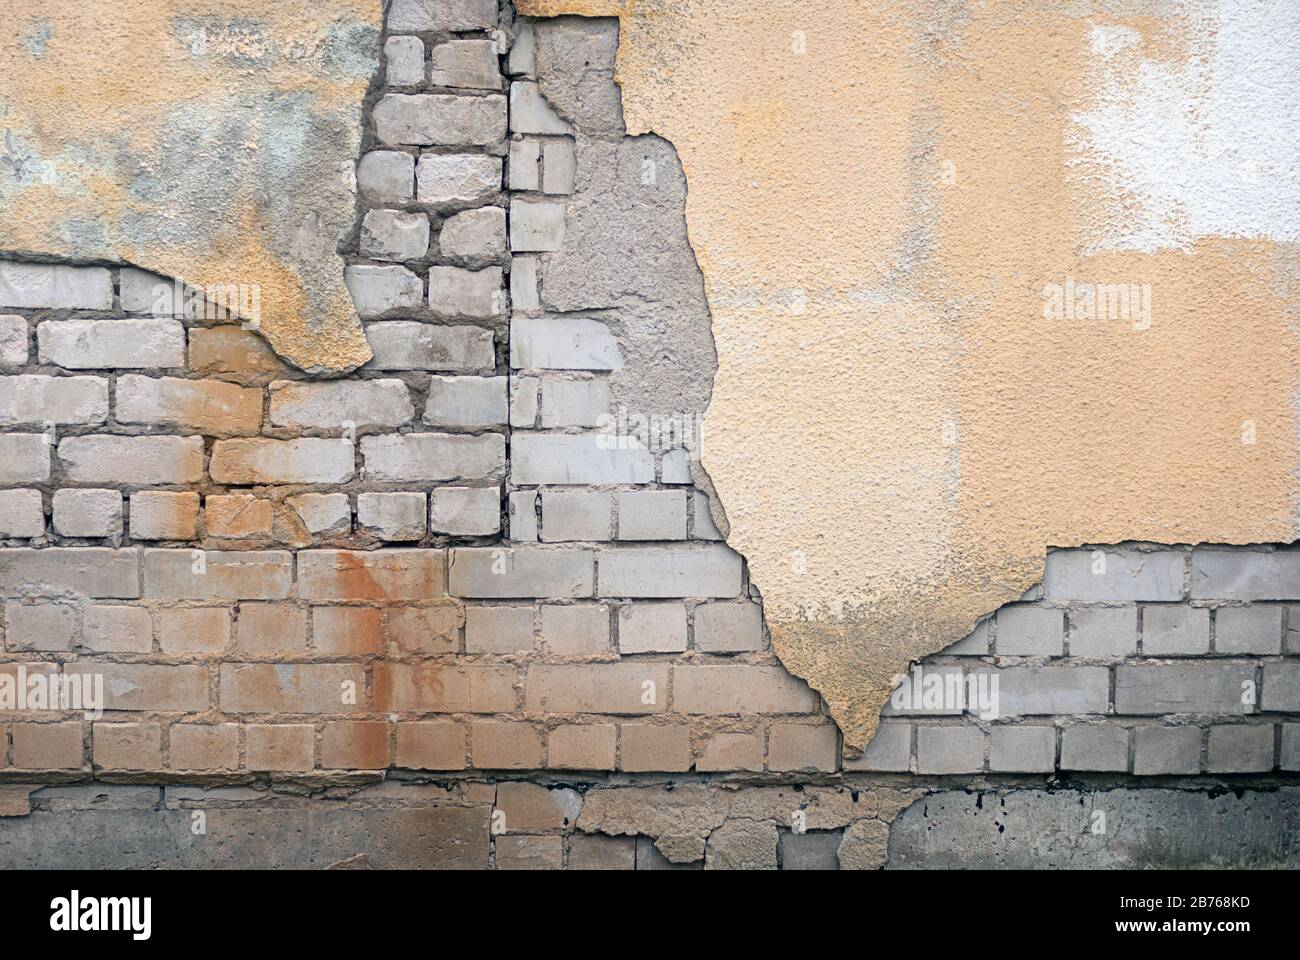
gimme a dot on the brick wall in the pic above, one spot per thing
(439, 566)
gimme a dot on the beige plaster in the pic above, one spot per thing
(897, 432)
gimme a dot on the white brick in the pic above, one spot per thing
(728, 627)
(56, 286)
(211, 407)
(498, 629)
(652, 628)
(524, 394)
(24, 458)
(670, 571)
(1028, 631)
(474, 234)
(570, 343)
(323, 514)
(525, 164)
(443, 15)
(441, 120)
(1245, 574)
(409, 345)
(652, 515)
(106, 629)
(433, 456)
(522, 572)
(143, 461)
(466, 64)
(457, 178)
(22, 513)
(394, 235)
(404, 59)
(467, 402)
(87, 513)
(1114, 575)
(387, 176)
(531, 113)
(1253, 629)
(576, 515)
(525, 295)
(1103, 632)
(575, 630)
(392, 516)
(523, 516)
(40, 400)
(1174, 630)
(539, 458)
(339, 403)
(465, 511)
(157, 515)
(574, 403)
(307, 460)
(13, 341)
(105, 344)
(536, 227)
(377, 291)
(458, 292)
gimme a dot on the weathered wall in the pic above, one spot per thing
(208, 140)
(879, 196)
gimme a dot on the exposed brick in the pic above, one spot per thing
(576, 515)
(197, 630)
(445, 688)
(424, 629)
(280, 747)
(1166, 750)
(578, 629)
(1240, 748)
(158, 515)
(210, 407)
(949, 750)
(468, 64)
(739, 689)
(529, 853)
(237, 517)
(562, 343)
(1114, 575)
(40, 626)
(395, 517)
(532, 808)
(457, 178)
(107, 629)
(203, 746)
(478, 234)
(431, 745)
(13, 341)
(387, 176)
(346, 631)
(1099, 748)
(128, 746)
(662, 747)
(465, 511)
(442, 15)
(323, 514)
(24, 458)
(1175, 630)
(803, 747)
(409, 345)
(144, 686)
(1253, 629)
(143, 461)
(1290, 746)
(612, 688)
(456, 292)
(394, 234)
(1281, 693)
(48, 746)
(37, 400)
(652, 515)
(531, 113)
(327, 405)
(573, 403)
(523, 516)
(439, 120)
(86, 571)
(218, 574)
(302, 688)
(732, 751)
(382, 291)
(378, 575)
(1178, 688)
(260, 461)
(676, 571)
(504, 745)
(1029, 631)
(433, 456)
(1245, 574)
(467, 402)
(814, 850)
(889, 750)
(1103, 632)
(56, 286)
(111, 344)
(87, 513)
(231, 349)
(498, 629)
(521, 572)
(652, 628)
(1022, 749)
(728, 627)
(354, 745)
(559, 167)
(582, 747)
(22, 513)
(525, 165)
(599, 852)
(1053, 690)
(270, 630)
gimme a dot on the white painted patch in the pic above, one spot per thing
(1206, 147)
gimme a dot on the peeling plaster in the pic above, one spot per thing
(881, 197)
(208, 140)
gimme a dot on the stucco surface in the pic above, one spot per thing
(208, 140)
(886, 200)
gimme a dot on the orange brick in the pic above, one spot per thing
(431, 745)
(637, 687)
(354, 745)
(433, 629)
(530, 853)
(659, 747)
(503, 745)
(48, 746)
(795, 746)
(582, 747)
(231, 349)
(128, 746)
(201, 746)
(237, 517)
(345, 631)
(441, 688)
(147, 686)
(376, 575)
(198, 630)
(732, 751)
(532, 808)
(270, 630)
(280, 747)
(293, 688)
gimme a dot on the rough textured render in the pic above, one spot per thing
(207, 140)
(920, 225)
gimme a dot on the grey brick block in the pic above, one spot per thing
(576, 515)
(729, 627)
(677, 466)
(212, 407)
(404, 60)
(87, 513)
(1290, 746)
(77, 571)
(40, 400)
(524, 401)
(1028, 691)
(13, 341)
(536, 226)
(387, 176)
(40, 627)
(498, 629)
(1281, 693)
(306, 460)
(465, 511)
(218, 574)
(465, 64)
(890, 750)
(521, 572)
(1022, 749)
(394, 235)
(1175, 630)
(525, 165)
(443, 15)
(478, 234)
(531, 113)
(340, 403)
(109, 629)
(1182, 688)
(816, 850)
(930, 690)
(1166, 750)
(22, 513)
(1027, 631)
(160, 515)
(949, 750)
(670, 571)
(457, 178)
(1121, 576)
(652, 515)
(323, 514)
(409, 345)
(105, 344)
(1099, 748)
(1245, 574)
(24, 458)
(523, 516)
(439, 120)
(569, 343)
(1253, 629)
(574, 403)
(144, 461)
(523, 59)
(377, 291)
(458, 292)
(559, 459)
(1240, 748)
(525, 294)
(575, 630)
(559, 167)
(975, 643)
(652, 628)
(1103, 632)
(395, 517)
(467, 402)
(56, 286)
(433, 456)
(702, 525)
